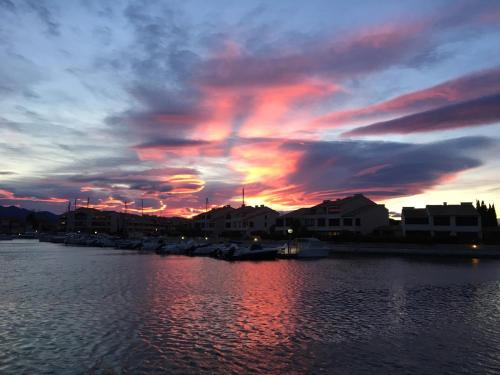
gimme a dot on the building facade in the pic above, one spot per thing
(355, 214)
(246, 220)
(92, 221)
(459, 221)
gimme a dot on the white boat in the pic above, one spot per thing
(129, 244)
(306, 248)
(152, 244)
(178, 248)
(206, 249)
(254, 251)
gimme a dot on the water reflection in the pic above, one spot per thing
(70, 310)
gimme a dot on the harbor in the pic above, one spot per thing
(258, 249)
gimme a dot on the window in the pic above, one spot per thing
(348, 222)
(416, 220)
(464, 221)
(309, 222)
(321, 222)
(334, 222)
(441, 220)
(358, 222)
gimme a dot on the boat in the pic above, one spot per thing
(306, 248)
(207, 249)
(128, 244)
(254, 251)
(177, 248)
(152, 244)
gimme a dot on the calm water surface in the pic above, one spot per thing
(66, 310)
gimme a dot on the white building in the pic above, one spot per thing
(442, 221)
(253, 220)
(356, 214)
(246, 220)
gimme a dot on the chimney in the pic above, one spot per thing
(445, 203)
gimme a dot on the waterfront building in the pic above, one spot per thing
(246, 220)
(253, 219)
(89, 220)
(356, 214)
(461, 221)
(215, 221)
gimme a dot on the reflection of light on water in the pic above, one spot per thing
(266, 304)
(475, 261)
(232, 310)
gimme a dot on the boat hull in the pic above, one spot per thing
(255, 255)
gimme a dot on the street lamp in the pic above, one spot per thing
(290, 232)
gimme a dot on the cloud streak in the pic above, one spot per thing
(476, 112)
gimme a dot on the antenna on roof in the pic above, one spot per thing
(125, 206)
(75, 204)
(88, 202)
(243, 193)
(206, 204)
(142, 207)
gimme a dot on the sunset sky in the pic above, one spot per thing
(176, 102)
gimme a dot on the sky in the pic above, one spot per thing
(165, 104)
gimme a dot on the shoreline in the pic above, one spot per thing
(434, 250)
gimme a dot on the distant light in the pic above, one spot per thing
(156, 229)
(475, 246)
(95, 232)
(255, 239)
(206, 238)
(182, 237)
(290, 230)
(19, 234)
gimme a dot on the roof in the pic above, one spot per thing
(452, 209)
(414, 212)
(338, 206)
(361, 209)
(218, 211)
(252, 211)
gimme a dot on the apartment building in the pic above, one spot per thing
(355, 214)
(461, 221)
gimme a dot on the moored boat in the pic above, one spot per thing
(302, 248)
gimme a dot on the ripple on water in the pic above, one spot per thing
(75, 310)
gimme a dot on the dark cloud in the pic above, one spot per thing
(471, 86)
(46, 16)
(7, 4)
(481, 111)
(172, 143)
(384, 169)
(6, 173)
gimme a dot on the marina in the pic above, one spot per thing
(256, 249)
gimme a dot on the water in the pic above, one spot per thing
(66, 310)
